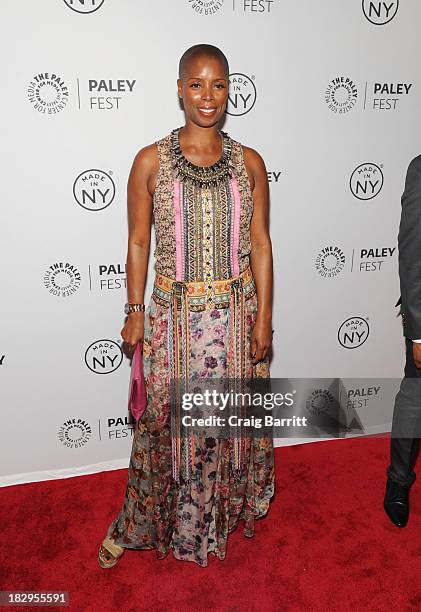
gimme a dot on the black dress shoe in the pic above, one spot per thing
(396, 503)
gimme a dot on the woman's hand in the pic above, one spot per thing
(261, 340)
(133, 330)
(416, 352)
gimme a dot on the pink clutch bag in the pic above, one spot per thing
(137, 389)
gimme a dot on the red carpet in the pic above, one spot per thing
(325, 545)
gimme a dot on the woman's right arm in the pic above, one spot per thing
(140, 188)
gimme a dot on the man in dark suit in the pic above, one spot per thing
(406, 426)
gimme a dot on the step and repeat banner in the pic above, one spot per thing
(328, 92)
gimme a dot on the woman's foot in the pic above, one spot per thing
(109, 553)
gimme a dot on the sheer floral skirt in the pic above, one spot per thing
(191, 518)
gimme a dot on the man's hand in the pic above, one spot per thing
(416, 351)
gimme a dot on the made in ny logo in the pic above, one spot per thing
(48, 93)
(366, 181)
(103, 356)
(380, 13)
(341, 95)
(84, 6)
(242, 94)
(94, 189)
(353, 332)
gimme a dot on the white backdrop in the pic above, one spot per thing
(326, 91)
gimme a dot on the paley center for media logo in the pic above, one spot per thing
(341, 95)
(48, 93)
(84, 6)
(75, 432)
(210, 7)
(206, 7)
(379, 12)
(330, 261)
(320, 401)
(62, 279)
(242, 94)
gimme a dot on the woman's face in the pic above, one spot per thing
(204, 89)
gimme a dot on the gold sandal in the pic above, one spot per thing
(109, 553)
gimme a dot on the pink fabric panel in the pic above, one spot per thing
(236, 228)
(178, 230)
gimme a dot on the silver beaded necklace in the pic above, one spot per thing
(201, 176)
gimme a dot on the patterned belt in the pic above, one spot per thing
(182, 296)
(201, 294)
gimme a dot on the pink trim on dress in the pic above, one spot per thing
(178, 230)
(236, 228)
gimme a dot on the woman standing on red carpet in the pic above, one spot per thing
(209, 317)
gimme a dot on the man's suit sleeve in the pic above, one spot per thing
(409, 243)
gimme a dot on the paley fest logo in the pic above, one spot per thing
(62, 279)
(379, 13)
(372, 259)
(206, 7)
(75, 433)
(242, 94)
(107, 94)
(382, 96)
(119, 427)
(103, 356)
(94, 189)
(341, 95)
(107, 276)
(353, 332)
(273, 176)
(366, 181)
(360, 397)
(330, 261)
(48, 93)
(253, 6)
(84, 6)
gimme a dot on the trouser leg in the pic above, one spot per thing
(405, 435)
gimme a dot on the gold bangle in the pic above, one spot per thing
(129, 308)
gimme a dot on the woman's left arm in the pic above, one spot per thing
(261, 260)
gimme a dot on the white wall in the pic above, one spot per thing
(291, 52)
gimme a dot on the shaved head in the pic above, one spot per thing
(202, 50)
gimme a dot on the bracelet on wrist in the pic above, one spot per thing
(129, 308)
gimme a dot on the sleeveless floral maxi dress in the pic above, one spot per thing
(202, 243)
